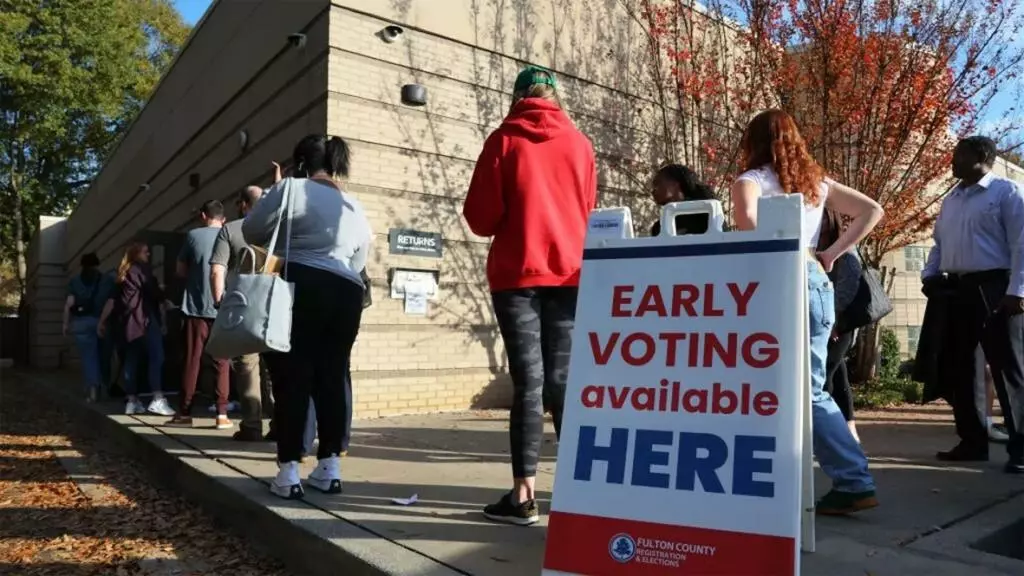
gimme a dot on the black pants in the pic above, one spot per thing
(536, 326)
(325, 321)
(973, 322)
(837, 379)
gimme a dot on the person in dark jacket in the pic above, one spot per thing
(678, 183)
(532, 191)
(138, 306)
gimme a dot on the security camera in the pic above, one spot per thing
(297, 40)
(390, 33)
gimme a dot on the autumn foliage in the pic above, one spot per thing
(882, 89)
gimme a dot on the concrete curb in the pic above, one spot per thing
(307, 539)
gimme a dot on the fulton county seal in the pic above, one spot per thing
(622, 548)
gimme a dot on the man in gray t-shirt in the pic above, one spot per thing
(227, 254)
(199, 311)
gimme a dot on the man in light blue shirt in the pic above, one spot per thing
(979, 254)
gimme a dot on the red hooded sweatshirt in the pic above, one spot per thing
(533, 188)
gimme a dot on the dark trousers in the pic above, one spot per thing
(973, 322)
(325, 321)
(536, 327)
(837, 378)
(346, 438)
(197, 332)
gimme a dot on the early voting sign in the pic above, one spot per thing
(682, 445)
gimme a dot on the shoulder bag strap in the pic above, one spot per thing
(288, 230)
(285, 200)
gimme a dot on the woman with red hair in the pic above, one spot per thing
(776, 162)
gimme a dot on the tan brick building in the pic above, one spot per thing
(245, 88)
(241, 93)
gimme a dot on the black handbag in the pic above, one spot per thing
(870, 305)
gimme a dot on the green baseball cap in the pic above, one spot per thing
(534, 75)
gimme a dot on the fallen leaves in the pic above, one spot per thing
(49, 526)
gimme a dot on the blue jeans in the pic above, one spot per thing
(839, 454)
(83, 328)
(151, 345)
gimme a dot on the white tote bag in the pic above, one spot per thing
(255, 315)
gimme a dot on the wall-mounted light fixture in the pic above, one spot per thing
(414, 95)
(390, 33)
(297, 40)
(144, 187)
(243, 139)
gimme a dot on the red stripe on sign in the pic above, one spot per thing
(594, 546)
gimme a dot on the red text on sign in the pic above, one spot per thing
(680, 300)
(699, 349)
(672, 397)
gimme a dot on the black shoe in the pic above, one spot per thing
(247, 435)
(271, 436)
(963, 453)
(506, 511)
(1014, 466)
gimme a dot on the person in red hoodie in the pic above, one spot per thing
(533, 188)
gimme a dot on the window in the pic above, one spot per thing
(913, 337)
(914, 258)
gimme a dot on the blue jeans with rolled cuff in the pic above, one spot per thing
(839, 454)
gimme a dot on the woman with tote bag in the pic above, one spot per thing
(325, 253)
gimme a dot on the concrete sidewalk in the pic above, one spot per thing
(457, 462)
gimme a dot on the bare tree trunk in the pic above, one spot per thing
(19, 241)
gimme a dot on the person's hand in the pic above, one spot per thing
(277, 172)
(827, 259)
(101, 329)
(835, 334)
(1011, 305)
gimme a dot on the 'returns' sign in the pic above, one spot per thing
(681, 446)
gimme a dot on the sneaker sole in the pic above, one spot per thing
(516, 521)
(332, 486)
(287, 492)
(224, 426)
(178, 425)
(859, 506)
(164, 413)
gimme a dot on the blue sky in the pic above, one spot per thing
(192, 11)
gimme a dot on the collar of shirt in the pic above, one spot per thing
(978, 186)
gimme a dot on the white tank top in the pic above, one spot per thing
(768, 182)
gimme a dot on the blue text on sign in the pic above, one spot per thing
(699, 456)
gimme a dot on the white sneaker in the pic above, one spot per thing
(160, 407)
(287, 484)
(326, 477)
(134, 407)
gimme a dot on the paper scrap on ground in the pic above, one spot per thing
(406, 501)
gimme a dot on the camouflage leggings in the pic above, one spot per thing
(536, 326)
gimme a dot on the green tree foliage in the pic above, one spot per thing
(73, 75)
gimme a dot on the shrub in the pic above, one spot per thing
(892, 387)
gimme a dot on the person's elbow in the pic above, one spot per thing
(872, 213)
(482, 224)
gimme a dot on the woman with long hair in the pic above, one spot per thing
(532, 191)
(87, 293)
(329, 242)
(139, 308)
(678, 183)
(777, 161)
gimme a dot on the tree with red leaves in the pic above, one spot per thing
(882, 90)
